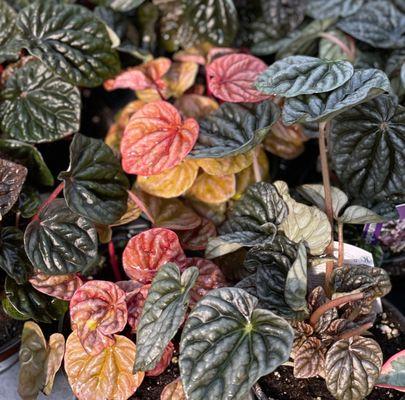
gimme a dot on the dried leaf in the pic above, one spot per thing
(226, 165)
(195, 106)
(173, 391)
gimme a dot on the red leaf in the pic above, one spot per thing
(232, 77)
(97, 311)
(163, 363)
(146, 252)
(392, 373)
(156, 139)
(197, 238)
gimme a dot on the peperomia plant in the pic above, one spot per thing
(186, 238)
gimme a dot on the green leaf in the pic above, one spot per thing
(120, 5)
(163, 313)
(360, 215)
(393, 372)
(95, 185)
(9, 310)
(321, 9)
(27, 155)
(330, 50)
(59, 241)
(29, 201)
(378, 23)
(368, 142)
(13, 259)
(219, 15)
(228, 344)
(70, 40)
(38, 106)
(352, 367)
(364, 85)
(296, 75)
(8, 50)
(32, 304)
(12, 177)
(234, 128)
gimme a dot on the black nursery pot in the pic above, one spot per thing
(281, 384)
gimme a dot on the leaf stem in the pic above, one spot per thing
(348, 51)
(140, 204)
(332, 304)
(114, 261)
(357, 331)
(256, 166)
(341, 244)
(49, 200)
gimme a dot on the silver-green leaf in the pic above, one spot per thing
(360, 215)
(320, 9)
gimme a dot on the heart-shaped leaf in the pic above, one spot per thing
(13, 259)
(321, 9)
(378, 23)
(197, 238)
(60, 242)
(146, 252)
(156, 139)
(226, 165)
(12, 177)
(34, 96)
(27, 155)
(60, 286)
(195, 106)
(379, 125)
(364, 85)
(172, 182)
(97, 311)
(95, 185)
(107, 375)
(231, 78)
(234, 129)
(296, 75)
(352, 367)
(242, 344)
(173, 391)
(164, 362)
(163, 313)
(392, 372)
(69, 39)
(309, 360)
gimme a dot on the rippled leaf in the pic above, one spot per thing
(296, 75)
(331, 46)
(364, 85)
(392, 372)
(172, 182)
(173, 391)
(7, 33)
(59, 242)
(163, 313)
(360, 215)
(70, 40)
(309, 360)
(321, 9)
(156, 139)
(234, 129)
(120, 5)
(146, 252)
(97, 311)
(106, 375)
(56, 351)
(367, 143)
(195, 106)
(378, 23)
(95, 185)
(12, 178)
(243, 344)
(352, 367)
(213, 189)
(164, 362)
(226, 165)
(231, 78)
(197, 238)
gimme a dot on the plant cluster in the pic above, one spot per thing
(184, 172)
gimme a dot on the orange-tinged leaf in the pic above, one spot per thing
(156, 139)
(226, 165)
(195, 106)
(133, 213)
(172, 182)
(181, 77)
(60, 286)
(146, 252)
(163, 363)
(173, 391)
(197, 54)
(97, 311)
(150, 95)
(213, 189)
(197, 238)
(56, 351)
(108, 375)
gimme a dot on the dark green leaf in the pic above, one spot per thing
(163, 313)
(330, 50)
(8, 50)
(95, 185)
(352, 367)
(321, 9)
(377, 23)
(9, 310)
(214, 21)
(13, 259)
(70, 40)
(364, 85)
(60, 241)
(27, 155)
(38, 106)
(296, 75)
(32, 304)
(228, 344)
(368, 143)
(234, 128)
(29, 201)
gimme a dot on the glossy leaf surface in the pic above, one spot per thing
(163, 363)
(197, 238)
(309, 360)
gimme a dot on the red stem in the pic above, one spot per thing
(140, 204)
(349, 52)
(49, 200)
(356, 332)
(341, 244)
(114, 261)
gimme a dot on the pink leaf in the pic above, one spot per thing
(163, 363)
(393, 373)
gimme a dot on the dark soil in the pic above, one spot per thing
(281, 384)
